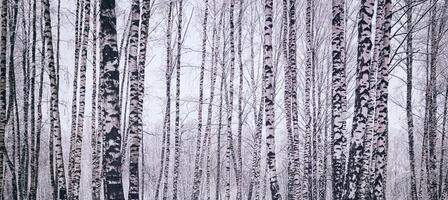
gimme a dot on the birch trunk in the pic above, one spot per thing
(35, 136)
(221, 99)
(287, 100)
(445, 110)
(230, 150)
(113, 187)
(78, 29)
(213, 75)
(3, 15)
(198, 159)
(254, 184)
(294, 98)
(77, 149)
(339, 99)
(24, 153)
(437, 27)
(134, 101)
(307, 179)
(96, 184)
(167, 122)
(177, 133)
(218, 148)
(269, 99)
(239, 159)
(361, 101)
(143, 41)
(381, 113)
(54, 111)
(409, 113)
(34, 174)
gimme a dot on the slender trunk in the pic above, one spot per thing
(437, 28)
(409, 114)
(54, 111)
(240, 102)
(96, 184)
(443, 147)
(256, 160)
(12, 164)
(255, 169)
(78, 29)
(24, 155)
(269, 99)
(230, 150)
(143, 40)
(13, 100)
(162, 163)
(13, 97)
(324, 175)
(124, 87)
(213, 75)
(424, 156)
(294, 98)
(167, 121)
(58, 36)
(198, 159)
(177, 133)
(77, 149)
(51, 136)
(4, 19)
(221, 99)
(133, 105)
(113, 187)
(124, 98)
(287, 100)
(35, 136)
(307, 179)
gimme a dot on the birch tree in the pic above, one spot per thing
(307, 169)
(35, 130)
(381, 112)
(443, 151)
(254, 185)
(76, 171)
(177, 127)
(287, 99)
(365, 179)
(73, 133)
(198, 160)
(339, 98)
(3, 39)
(113, 187)
(54, 110)
(134, 101)
(167, 120)
(294, 97)
(143, 42)
(230, 150)
(95, 137)
(409, 113)
(220, 107)
(269, 99)
(356, 149)
(239, 159)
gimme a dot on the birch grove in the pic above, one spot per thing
(217, 99)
